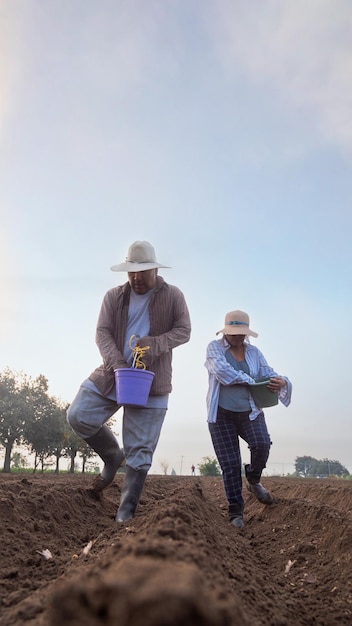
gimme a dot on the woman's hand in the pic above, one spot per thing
(276, 383)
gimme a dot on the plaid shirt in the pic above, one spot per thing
(220, 372)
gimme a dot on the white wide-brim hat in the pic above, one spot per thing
(140, 257)
(237, 323)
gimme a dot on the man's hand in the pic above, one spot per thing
(146, 342)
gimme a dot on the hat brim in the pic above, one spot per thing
(236, 330)
(128, 266)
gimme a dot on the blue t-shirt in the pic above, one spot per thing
(235, 397)
(138, 324)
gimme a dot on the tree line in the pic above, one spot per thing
(305, 467)
(36, 421)
(308, 467)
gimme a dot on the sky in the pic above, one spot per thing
(221, 132)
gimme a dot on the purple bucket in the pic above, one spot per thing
(133, 386)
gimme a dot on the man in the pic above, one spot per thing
(156, 313)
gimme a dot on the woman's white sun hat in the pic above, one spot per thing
(237, 323)
(140, 257)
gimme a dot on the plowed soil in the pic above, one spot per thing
(179, 562)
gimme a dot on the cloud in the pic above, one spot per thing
(300, 51)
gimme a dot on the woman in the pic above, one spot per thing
(233, 364)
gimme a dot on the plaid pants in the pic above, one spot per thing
(225, 433)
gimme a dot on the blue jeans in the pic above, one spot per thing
(225, 433)
(141, 427)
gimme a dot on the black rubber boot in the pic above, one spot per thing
(256, 488)
(105, 444)
(236, 514)
(131, 491)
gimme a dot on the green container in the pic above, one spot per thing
(261, 395)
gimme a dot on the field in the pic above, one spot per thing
(179, 562)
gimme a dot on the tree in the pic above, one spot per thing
(209, 467)
(307, 466)
(42, 432)
(29, 415)
(58, 434)
(86, 453)
(71, 447)
(18, 461)
(15, 411)
(304, 465)
(327, 467)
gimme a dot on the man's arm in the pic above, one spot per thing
(179, 333)
(104, 337)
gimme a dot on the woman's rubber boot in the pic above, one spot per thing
(131, 491)
(236, 514)
(104, 443)
(256, 488)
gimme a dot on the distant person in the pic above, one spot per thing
(156, 313)
(233, 364)
(193, 470)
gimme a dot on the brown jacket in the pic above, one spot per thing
(170, 326)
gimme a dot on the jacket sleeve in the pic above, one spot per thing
(178, 334)
(104, 337)
(266, 371)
